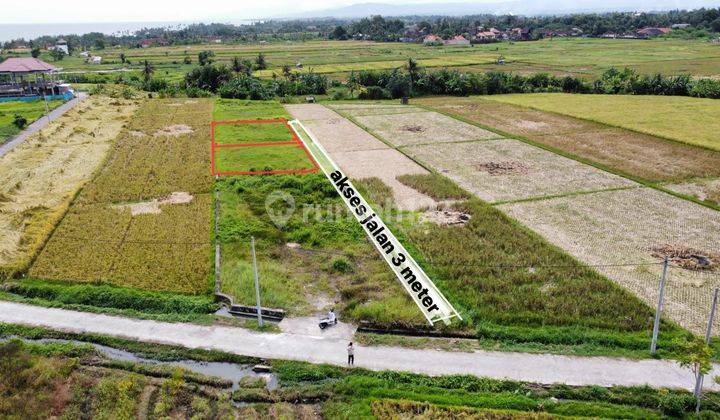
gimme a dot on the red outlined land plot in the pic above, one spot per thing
(275, 149)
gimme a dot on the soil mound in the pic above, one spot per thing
(174, 130)
(688, 258)
(503, 168)
(446, 217)
(153, 207)
(413, 128)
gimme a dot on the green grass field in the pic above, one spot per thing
(262, 158)
(584, 57)
(687, 120)
(252, 133)
(233, 109)
(30, 110)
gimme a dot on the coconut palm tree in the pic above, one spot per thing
(413, 68)
(147, 71)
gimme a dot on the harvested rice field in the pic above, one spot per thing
(40, 177)
(707, 190)
(639, 155)
(421, 128)
(507, 170)
(359, 110)
(361, 155)
(145, 220)
(636, 227)
(683, 119)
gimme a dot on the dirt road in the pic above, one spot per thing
(319, 349)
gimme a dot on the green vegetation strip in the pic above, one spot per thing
(14, 116)
(336, 392)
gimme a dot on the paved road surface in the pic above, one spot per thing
(320, 349)
(40, 123)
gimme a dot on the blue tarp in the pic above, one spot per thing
(66, 97)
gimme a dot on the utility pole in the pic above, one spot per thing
(699, 382)
(257, 282)
(658, 311)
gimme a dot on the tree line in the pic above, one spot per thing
(414, 81)
(379, 28)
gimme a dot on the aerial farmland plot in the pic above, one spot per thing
(481, 260)
(39, 178)
(637, 227)
(413, 128)
(145, 219)
(361, 155)
(316, 258)
(506, 170)
(639, 155)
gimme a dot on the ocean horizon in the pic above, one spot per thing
(28, 31)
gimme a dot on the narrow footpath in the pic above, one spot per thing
(40, 123)
(541, 368)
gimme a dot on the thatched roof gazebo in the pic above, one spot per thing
(26, 76)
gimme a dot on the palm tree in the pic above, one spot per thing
(147, 70)
(413, 68)
(237, 65)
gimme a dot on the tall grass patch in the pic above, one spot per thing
(318, 254)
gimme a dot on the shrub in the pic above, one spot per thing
(208, 77)
(244, 87)
(706, 88)
(113, 297)
(19, 121)
(374, 92)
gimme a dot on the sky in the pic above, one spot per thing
(188, 11)
(82, 11)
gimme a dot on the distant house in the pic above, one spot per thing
(520, 34)
(149, 42)
(85, 54)
(96, 59)
(680, 26)
(412, 34)
(485, 36)
(215, 39)
(61, 45)
(432, 40)
(458, 40)
(652, 32)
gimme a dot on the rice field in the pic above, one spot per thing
(683, 119)
(415, 128)
(707, 190)
(508, 170)
(40, 177)
(31, 111)
(628, 227)
(145, 220)
(583, 57)
(361, 155)
(639, 155)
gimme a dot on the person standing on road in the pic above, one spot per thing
(351, 354)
